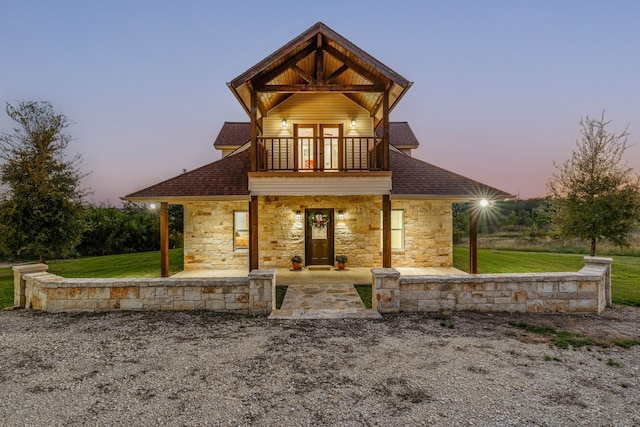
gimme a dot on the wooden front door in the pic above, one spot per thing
(319, 237)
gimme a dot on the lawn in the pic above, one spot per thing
(142, 264)
(625, 272)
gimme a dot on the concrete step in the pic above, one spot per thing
(325, 313)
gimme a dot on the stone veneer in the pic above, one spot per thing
(588, 290)
(208, 231)
(47, 292)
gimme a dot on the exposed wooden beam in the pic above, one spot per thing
(385, 131)
(337, 73)
(253, 233)
(262, 80)
(253, 131)
(308, 77)
(473, 240)
(322, 88)
(375, 78)
(320, 63)
(386, 231)
(164, 239)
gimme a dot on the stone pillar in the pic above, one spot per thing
(385, 290)
(19, 282)
(262, 291)
(601, 264)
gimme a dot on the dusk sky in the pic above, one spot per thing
(499, 86)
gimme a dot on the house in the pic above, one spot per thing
(318, 170)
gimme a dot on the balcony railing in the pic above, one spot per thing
(320, 154)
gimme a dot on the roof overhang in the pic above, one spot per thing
(319, 183)
(319, 60)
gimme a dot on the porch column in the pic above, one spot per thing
(253, 132)
(385, 131)
(164, 239)
(253, 233)
(473, 240)
(386, 231)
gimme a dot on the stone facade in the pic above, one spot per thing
(47, 292)
(208, 232)
(588, 290)
(208, 236)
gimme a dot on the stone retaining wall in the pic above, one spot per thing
(36, 289)
(588, 290)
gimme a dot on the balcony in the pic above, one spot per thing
(319, 154)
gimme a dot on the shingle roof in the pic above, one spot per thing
(400, 135)
(228, 177)
(233, 134)
(225, 177)
(412, 176)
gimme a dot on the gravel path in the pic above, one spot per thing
(193, 369)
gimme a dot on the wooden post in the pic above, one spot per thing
(386, 231)
(253, 233)
(253, 132)
(473, 240)
(164, 239)
(385, 131)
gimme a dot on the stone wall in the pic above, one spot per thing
(47, 292)
(428, 236)
(588, 290)
(208, 236)
(208, 232)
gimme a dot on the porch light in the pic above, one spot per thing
(298, 215)
(484, 203)
(152, 206)
(353, 122)
(340, 215)
(284, 123)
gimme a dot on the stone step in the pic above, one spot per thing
(325, 313)
(319, 267)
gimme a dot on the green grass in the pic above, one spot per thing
(566, 339)
(143, 264)
(365, 295)
(280, 291)
(625, 272)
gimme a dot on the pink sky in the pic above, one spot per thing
(499, 86)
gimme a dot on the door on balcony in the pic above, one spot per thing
(318, 153)
(319, 237)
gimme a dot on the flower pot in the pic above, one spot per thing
(340, 265)
(297, 265)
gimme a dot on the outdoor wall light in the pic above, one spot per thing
(298, 215)
(484, 203)
(353, 122)
(340, 215)
(152, 206)
(284, 123)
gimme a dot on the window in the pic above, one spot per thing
(240, 230)
(397, 229)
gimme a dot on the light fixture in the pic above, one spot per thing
(484, 203)
(340, 215)
(284, 123)
(353, 122)
(152, 206)
(298, 215)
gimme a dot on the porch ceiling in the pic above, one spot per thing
(319, 60)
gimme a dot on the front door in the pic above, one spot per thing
(319, 237)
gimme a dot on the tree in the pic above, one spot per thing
(41, 205)
(596, 195)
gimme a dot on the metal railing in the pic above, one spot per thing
(319, 154)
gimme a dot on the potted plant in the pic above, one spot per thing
(296, 260)
(341, 260)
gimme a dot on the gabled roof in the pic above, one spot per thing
(233, 134)
(319, 60)
(414, 177)
(228, 177)
(222, 178)
(400, 135)
(236, 134)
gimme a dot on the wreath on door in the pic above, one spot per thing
(318, 220)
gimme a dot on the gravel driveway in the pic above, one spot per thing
(458, 369)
